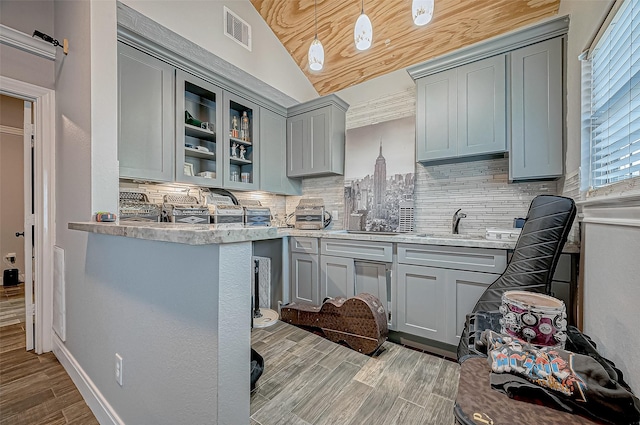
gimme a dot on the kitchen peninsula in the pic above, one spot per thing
(181, 297)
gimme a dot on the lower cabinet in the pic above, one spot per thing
(421, 301)
(337, 277)
(433, 302)
(346, 277)
(304, 278)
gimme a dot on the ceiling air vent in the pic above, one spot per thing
(237, 29)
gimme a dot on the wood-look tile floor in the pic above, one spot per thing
(11, 305)
(309, 380)
(35, 389)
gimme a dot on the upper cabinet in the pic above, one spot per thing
(198, 123)
(536, 111)
(461, 112)
(315, 137)
(501, 95)
(145, 116)
(273, 142)
(241, 137)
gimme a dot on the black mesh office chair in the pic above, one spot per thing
(534, 258)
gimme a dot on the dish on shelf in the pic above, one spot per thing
(208, 174)
(202, 148)
(196, 153)
(188, 169)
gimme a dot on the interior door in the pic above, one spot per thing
(29, 223)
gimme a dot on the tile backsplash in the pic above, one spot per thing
(480, 188)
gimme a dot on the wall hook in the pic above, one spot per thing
(49, 39)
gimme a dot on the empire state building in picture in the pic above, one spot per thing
(379, 185)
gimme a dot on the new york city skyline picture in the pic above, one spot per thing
(379, 176)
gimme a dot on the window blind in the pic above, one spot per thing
(615, 99)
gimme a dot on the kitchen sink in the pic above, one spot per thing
(449, 236)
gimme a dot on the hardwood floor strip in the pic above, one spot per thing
(346, 404)
(375, 408)
(370, 373)
(311, 407)
(296, 388)
(403, 412)
(447, 382)
(422, 380)
(439, 411)
(340, 354)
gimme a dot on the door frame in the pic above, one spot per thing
(44, 196)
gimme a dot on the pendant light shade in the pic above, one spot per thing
(316, 51)
(316, 55)
(422, 11)
(363, 31)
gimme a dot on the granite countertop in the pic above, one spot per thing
(205, 234)
(189, 234)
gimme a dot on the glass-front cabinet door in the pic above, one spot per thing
(198, 126)
(241, 144)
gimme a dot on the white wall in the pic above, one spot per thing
(27, 16)
(11, 182)
(612, 294)
(202, 23)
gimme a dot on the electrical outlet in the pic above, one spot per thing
(119, 369)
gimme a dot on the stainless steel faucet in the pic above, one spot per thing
(455, 222)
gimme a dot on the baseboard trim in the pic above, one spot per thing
(100, 407)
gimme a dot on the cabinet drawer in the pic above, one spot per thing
(361, 250)
(305, 245)
(453, 257)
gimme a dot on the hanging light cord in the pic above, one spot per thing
(362, 8)
(315, 16)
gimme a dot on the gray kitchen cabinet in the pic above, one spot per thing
(337, 277)
(145, 116)
(315, 137)
(304, 275)
(198, 126)
(374, 279)
(433, 302)
(463, 290)
(536, 111)
(437, 116)
(438, 285)
(273, 141)
(241, 146)
(461, 112)
(482, 107)
(420, 304)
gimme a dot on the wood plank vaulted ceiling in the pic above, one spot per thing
(397, 42)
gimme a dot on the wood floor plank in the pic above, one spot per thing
(311, 407)
(341, 354)
(447, 382)
(403, 412)
(20, 404)
(422, 380)
(296, 389)
(257, 401)
(375, 408)
(342, 410)
(370, 373)
(438, 411)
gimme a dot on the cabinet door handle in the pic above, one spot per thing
(18, 234)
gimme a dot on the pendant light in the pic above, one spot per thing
(422, 11)
(363, 31)
(316, 51)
